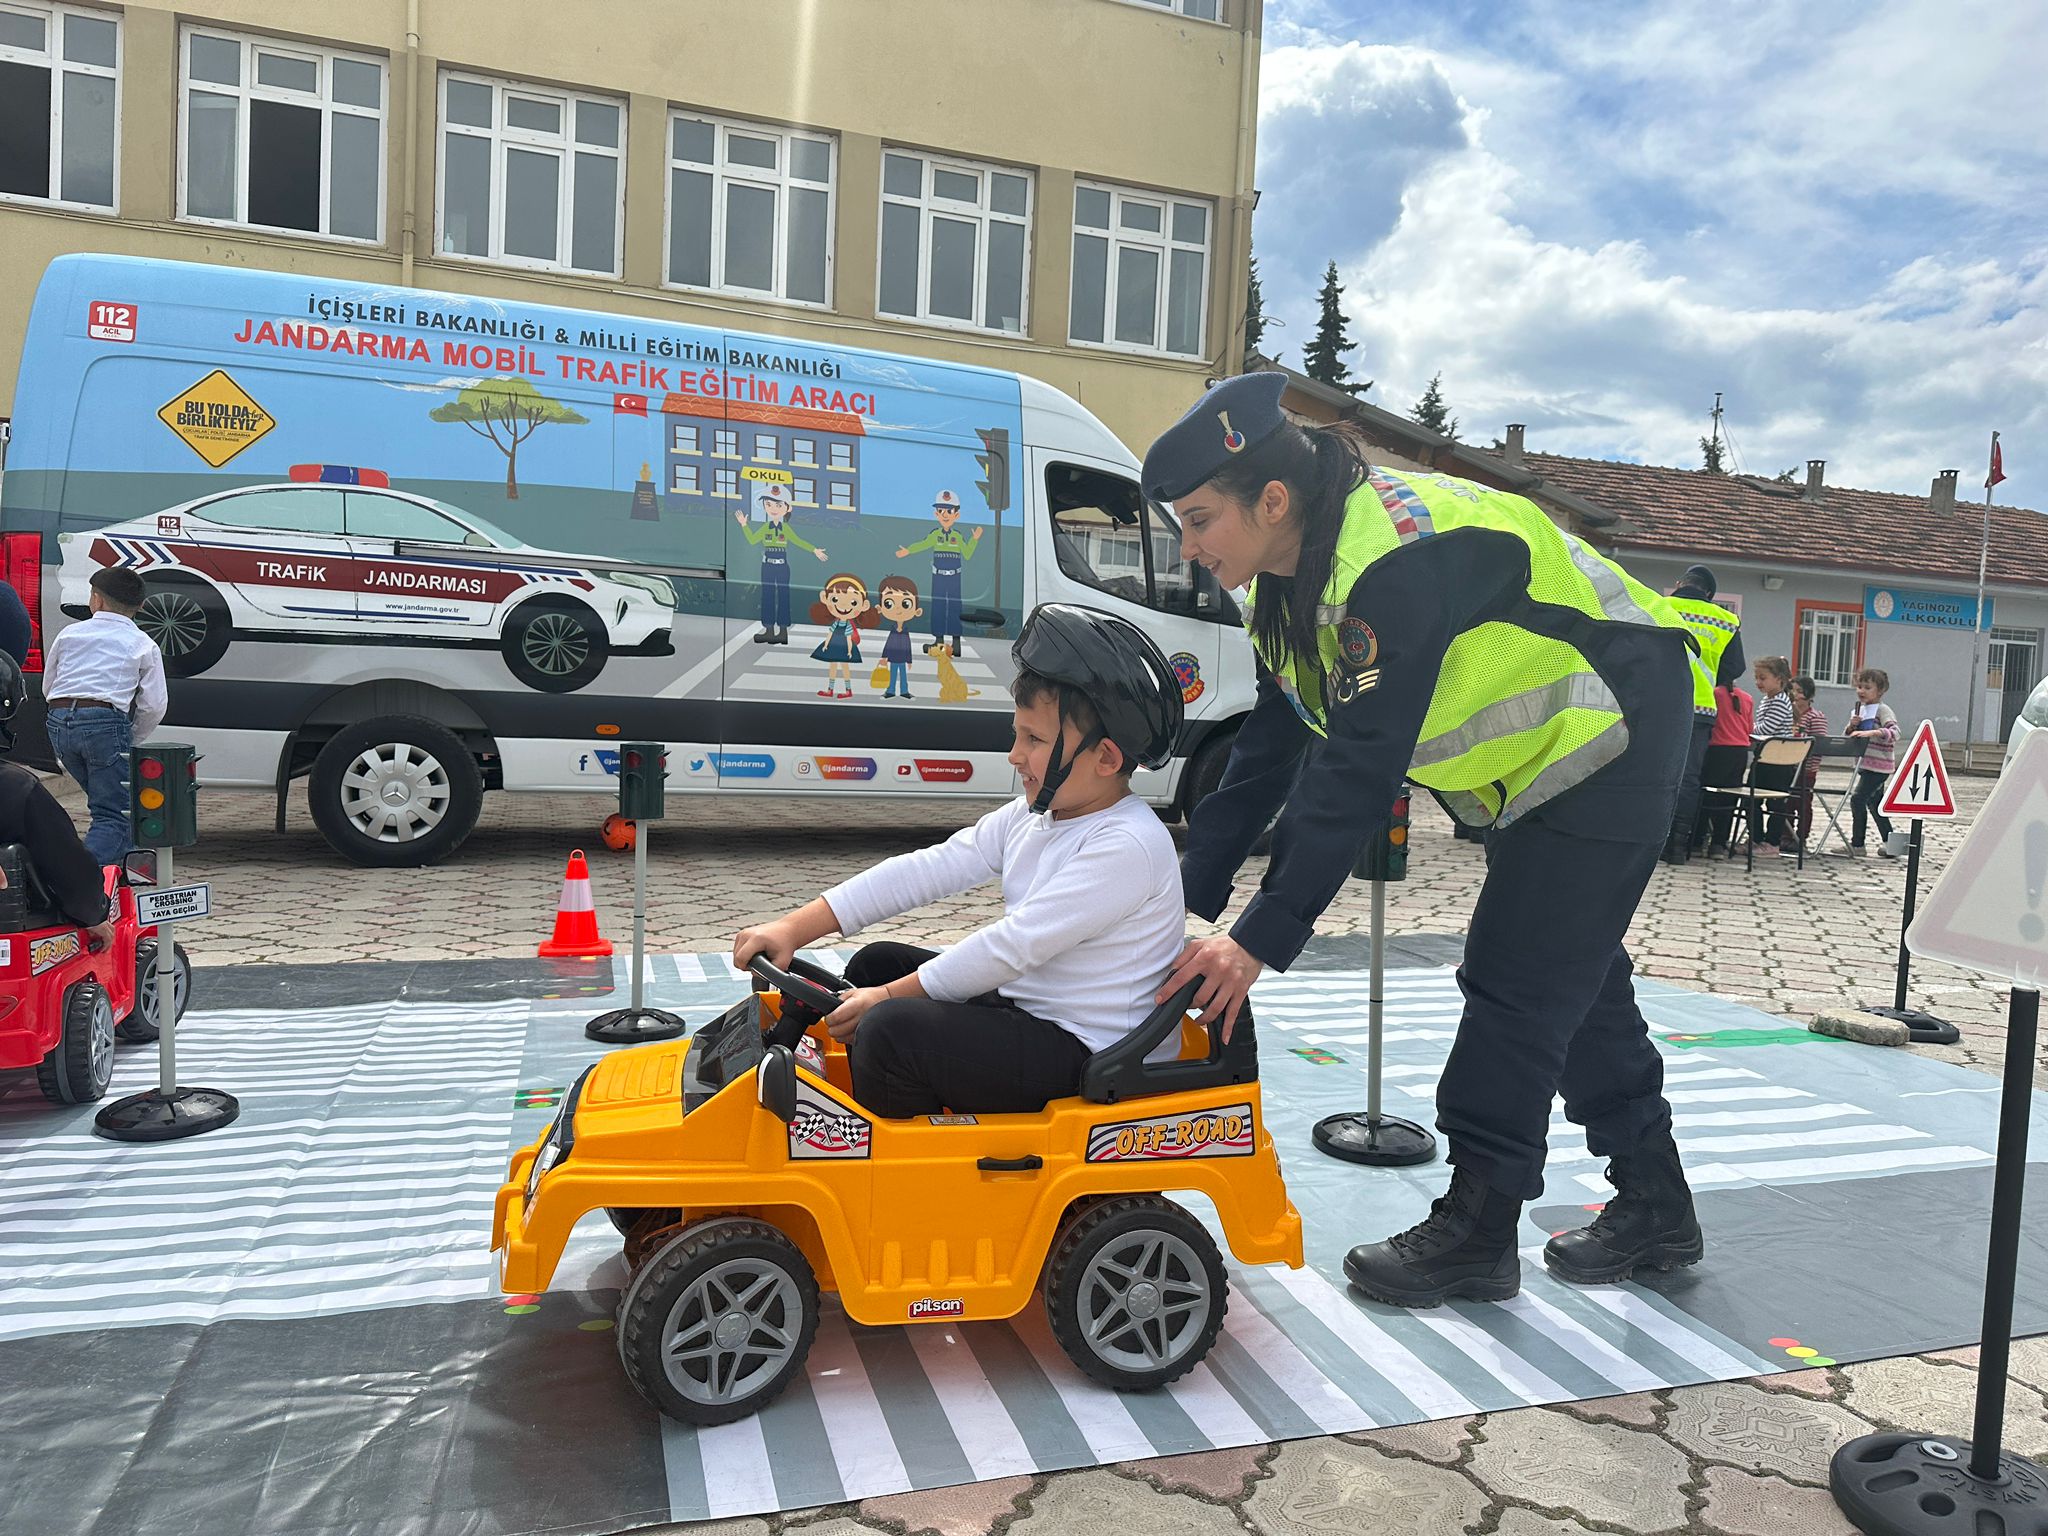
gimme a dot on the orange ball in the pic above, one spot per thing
(618, 833)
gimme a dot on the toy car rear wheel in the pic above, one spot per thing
(1135, 1292)
(189, 622)
(81, 1063)
(717, 1322)
(395, 792)
(140, 1027)
(555, 645)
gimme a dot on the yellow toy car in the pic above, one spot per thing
(745, 1176)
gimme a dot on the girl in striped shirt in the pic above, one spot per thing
(1773, 718)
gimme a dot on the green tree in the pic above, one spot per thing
(1430, 410)
(509, 406)
(1254, 309)
(1714, 456)
(1787, 476)
(1323, 358)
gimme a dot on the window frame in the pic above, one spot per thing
(929, 206)
(779, 180)
(502, 136)
(725, 482)
(53, 60)
(839, 496)
(1178, 8)
(1165, 244)
(250, 90)
(803, 491)
(1801, 607)
(694, 472)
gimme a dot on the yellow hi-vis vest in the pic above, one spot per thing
(1517, 718)
(1713, 626)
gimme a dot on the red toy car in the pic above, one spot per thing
(59, 1001)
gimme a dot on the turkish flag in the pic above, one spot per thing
(629, 405)
(1997, 464)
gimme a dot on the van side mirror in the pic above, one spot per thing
(775, 1082)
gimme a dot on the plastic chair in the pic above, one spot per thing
(1773, 781)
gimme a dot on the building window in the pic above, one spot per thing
(683, 478)
(841, 455)
(749, 209)
(765, 446)
(725, 482)
(1197, 10)
(803, 451)
(804, 493)
(1141, 271)
(282, 136)
(725, 444)
(839, 494)
(59, 89)
(955, 242)
(531, 176)
(686, 440)
(1830, 645)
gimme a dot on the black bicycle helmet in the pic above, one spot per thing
(12, 691)
(1117, 668)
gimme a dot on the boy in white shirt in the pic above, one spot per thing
(1093, 918)
(104, 683)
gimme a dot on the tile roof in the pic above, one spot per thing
(1690, 512)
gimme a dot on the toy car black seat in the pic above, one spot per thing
(25, 905)
(1121, 1071)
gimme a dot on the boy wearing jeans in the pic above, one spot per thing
(1873, 724)
(105, 685)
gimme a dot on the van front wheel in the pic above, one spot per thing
(555, 646)
(395, 793)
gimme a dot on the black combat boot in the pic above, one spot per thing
(1465, 1247)
(1649, 1222)
(1678, 847)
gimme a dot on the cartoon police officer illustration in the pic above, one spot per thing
(950, 551)
(774, 538)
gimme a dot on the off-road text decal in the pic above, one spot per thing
(1225, 1132)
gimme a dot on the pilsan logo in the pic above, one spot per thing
(846, 767)
(932, 1306)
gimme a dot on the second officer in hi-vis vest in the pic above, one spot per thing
(1435, 629)
(1718, 633)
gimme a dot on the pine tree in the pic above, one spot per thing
(1254, 310)
(1323, 358)
(1714, 456)
(1430, 411)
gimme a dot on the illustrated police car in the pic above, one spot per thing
(335, 552)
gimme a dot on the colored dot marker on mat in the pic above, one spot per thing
(1801, 1352)
(595, 1324)
(1820, 1360)
(521, 1309)
(1784, 1343)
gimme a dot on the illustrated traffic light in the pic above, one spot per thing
(1387, 858)
(163, 794)
(643, 781)
(994, 460)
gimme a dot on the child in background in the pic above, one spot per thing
(1774, 701)
(1726, 764)
(1807, 721)
(1873, 724)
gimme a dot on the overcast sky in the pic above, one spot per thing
(1592, 215)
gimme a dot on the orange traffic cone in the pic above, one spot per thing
(576, 917)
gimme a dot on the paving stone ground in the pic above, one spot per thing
(1722, 1460)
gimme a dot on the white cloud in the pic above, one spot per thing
(1861, 305)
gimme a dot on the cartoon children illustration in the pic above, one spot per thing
(844, 605)
(950, 551)
(774, 538)
(897, 605)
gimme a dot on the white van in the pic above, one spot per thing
(414, 546)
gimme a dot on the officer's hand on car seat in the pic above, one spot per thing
(99, 936)
(1227, 970)
(854, 1003)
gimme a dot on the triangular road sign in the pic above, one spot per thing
(1989, 910)
(1919, 786)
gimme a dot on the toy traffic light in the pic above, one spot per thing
(163, 790)
(994, 460)
(643, 781)
(1387, 859)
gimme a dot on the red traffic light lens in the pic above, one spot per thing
(152, 767)
(632, 760)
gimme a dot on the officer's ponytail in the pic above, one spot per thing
(1321, 467)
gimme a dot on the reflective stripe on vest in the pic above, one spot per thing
(1492, 758)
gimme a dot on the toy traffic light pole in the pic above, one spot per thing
(1380, 1140)
(643, 792)
(163, 793)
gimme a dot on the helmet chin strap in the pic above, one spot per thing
(1057, 767)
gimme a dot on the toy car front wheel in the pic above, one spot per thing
(81, 1063)
(716, 1323)
(1135, 1292)
(140, 1027)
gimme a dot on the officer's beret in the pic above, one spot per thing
(1235, 415)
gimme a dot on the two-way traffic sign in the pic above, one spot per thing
(1919, 787)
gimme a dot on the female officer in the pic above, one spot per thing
(1441, 631)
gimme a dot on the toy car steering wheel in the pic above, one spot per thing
(812, 999)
